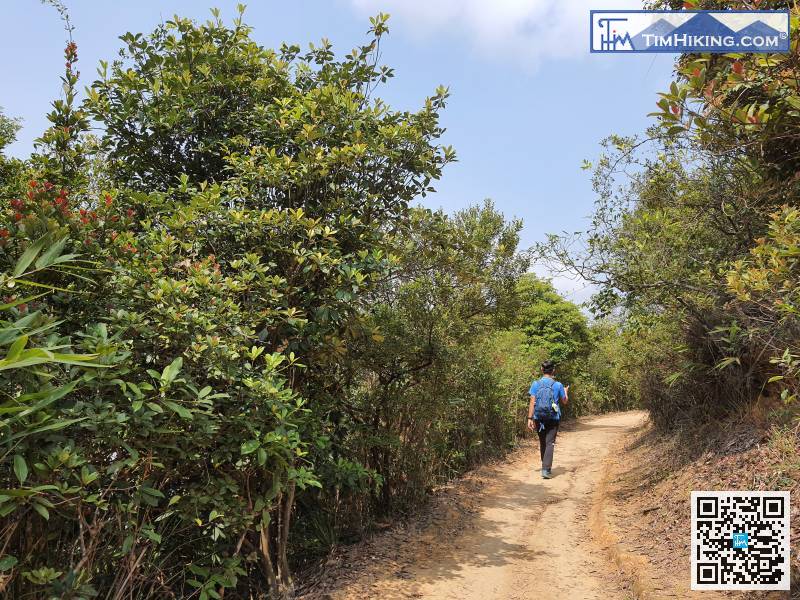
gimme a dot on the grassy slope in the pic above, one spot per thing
(646, 502)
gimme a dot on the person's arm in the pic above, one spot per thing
(531, 422)
(565, 401)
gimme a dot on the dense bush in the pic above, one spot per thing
(213, 305)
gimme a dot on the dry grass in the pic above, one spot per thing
(648, 484)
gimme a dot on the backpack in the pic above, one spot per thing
(545, 399)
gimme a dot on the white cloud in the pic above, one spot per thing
(517, 30)
(569, 286)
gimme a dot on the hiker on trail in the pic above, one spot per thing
(544, 412)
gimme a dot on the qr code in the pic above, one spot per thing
(740, 540)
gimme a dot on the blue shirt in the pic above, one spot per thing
(558, 392)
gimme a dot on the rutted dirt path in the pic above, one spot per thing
(511, 535)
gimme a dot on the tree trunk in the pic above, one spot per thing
(267, 560)
(283, 541)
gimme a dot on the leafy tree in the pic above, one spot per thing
(189, 99)
(426, 386)
(767, 296)
(10, 168)
(551, 323)
(218, 305)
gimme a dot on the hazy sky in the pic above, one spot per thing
(528, 101)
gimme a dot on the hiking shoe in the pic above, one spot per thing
(546, 474)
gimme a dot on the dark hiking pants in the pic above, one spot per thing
(547, 443)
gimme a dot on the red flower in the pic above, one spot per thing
(16, 204)
(84, 220)
(131, 213)
(738, 67)
(675, 109)
(108, 200)
(3, 233)
(17, 217)
(33, 183)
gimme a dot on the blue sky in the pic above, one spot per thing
(528, 101)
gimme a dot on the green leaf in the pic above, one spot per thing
(16, 348)
(146, 489)
(49, 256)
(727, 362)
(793, 101)
(24, 492)
(177, 408)
(7, 562)
(250, 446)
(29, 255)
(20, 468)
(171, 371)
(152, 535)
(55, 426)
(47, 398)
(41, 510)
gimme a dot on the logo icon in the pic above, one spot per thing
(689, 31)
(740, 540)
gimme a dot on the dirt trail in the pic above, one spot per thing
(523, 538)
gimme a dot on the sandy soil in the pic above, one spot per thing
(503, 532)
